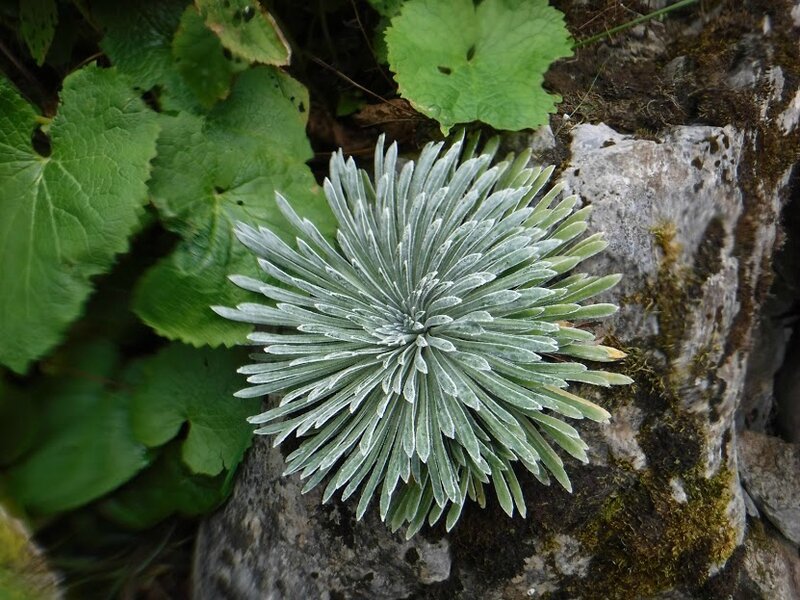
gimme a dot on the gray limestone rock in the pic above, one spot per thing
(285, 545)
(770, 471)
(671, 224)
(771, 567)
(691, 217)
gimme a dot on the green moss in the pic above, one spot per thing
(669, 291)
(645, 540)
(768, 152)
(703, 361)
(23, 572)
(668, 295)
(673, 443)
(638, 365)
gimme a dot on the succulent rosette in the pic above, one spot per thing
(430, 347)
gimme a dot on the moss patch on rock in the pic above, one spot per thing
(646, 540)
(669, 525)
(24, 575)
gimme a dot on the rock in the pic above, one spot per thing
(670, 214)
(541, 576)
(767, 361)
(282, 544)
(542, 144)
(772, 395)
(770, 471)
(771, 567)
(691, 215)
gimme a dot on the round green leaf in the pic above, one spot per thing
(37, 24)
(138, 37)
(457, 62)
(87, 447)
(386, 8)
(139, 41)
(200, 59)
(166, 488)
(247, 30)
(212, 172)
(64, 217)
(185, 385)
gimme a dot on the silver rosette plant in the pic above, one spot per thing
(430, 349)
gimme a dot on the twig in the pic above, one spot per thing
(322, 63)
(629, 24)
(369, 43)
(568, 116)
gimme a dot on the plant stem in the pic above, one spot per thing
(642, 19)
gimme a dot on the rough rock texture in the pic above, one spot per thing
(772, 395)
(768, 356)
(285, 545)
(771, 567)
(692, 218)
(770, 471)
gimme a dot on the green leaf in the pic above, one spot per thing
(246, 29)
(64, 217)
(379, 40)
(592, 352)
(184, 385)
(457, 62)
(200, 59)
(212, 172)
(174, 298)
(138, 37)
(138, 40)
(386, 8)
(166, 488)
(87, 447)
(18, 423)
(37, 24)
